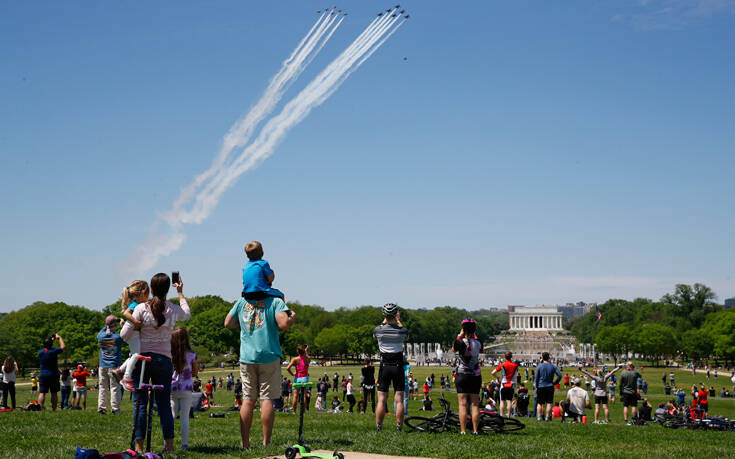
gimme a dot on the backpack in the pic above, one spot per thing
(83, 453)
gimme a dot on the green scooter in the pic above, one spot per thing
(301, 448)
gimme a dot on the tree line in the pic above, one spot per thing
(687, 323)
(342, 331)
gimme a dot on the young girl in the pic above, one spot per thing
(185, 368)
(66, 381)
(135, 293)
(302, 369)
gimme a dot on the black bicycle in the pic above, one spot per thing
(448, 421)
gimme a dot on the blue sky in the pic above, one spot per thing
(521, 153)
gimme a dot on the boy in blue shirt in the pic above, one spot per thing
(257, 275)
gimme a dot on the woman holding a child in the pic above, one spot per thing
(158, 318)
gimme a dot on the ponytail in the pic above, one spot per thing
(160, 283)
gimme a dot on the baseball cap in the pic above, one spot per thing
(110, 320)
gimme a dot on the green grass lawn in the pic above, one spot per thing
(57, 434)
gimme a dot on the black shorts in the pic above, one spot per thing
(468, 384)
(391, 374)
(600, 399)
(704, 407)
(48, 384)
(630, 400)
(506, 393)
(545, 395)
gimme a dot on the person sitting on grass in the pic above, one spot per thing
(362, 405)
(646, 409)
(556, 411)
(336, 405)
(427, 404)
(577, 400)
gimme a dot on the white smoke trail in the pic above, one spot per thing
(240, 132)
(222, 175)
(323, 86)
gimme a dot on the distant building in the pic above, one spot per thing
(730, 303)
(574, 310)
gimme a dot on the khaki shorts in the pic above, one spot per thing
(262, 379)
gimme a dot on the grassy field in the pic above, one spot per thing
(57, 434)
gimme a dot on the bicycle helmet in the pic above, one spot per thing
(390, 309)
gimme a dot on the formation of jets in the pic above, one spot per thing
(394, 14)
(331, 13)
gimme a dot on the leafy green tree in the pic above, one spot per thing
(697, 344)
(616, 341)
(693, 302)
(720, 327)
(655, 341)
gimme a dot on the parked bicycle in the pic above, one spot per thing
(448, 421)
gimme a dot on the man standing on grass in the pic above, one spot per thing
(628, 386)
(547, 376)
(110, 358)
(260, 358)
(508, 371)
(391, 335)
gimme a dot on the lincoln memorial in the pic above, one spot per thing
(539, 318)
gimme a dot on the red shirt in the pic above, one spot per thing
(426, 388)
(566, 379)
(81, 377)
(508, 369)
(702, 397)
(208, 386)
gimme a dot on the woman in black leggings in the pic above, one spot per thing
(368, 383)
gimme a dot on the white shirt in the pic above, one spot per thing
(9, 376)
(349, 388)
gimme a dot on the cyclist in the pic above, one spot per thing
(469, 377)
(508, 371)
(391, 335)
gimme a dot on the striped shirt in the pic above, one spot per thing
(390, 338)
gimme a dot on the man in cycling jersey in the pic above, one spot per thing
(391, 335)
(507, 375)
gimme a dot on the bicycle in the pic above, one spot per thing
(449, 421)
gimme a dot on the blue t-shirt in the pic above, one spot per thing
(110, 349)
(258, 329)
(254, 276)
(545, 375)
(131, 306)
(49, 361)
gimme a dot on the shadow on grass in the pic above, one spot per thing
(216, 449)
(332, 441)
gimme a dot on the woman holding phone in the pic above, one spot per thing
(158, 317)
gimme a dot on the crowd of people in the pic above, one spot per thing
(148, 327)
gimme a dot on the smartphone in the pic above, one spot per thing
(175, 277)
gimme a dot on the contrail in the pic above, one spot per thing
(223, 174)
(323, 86)
(240, 132)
